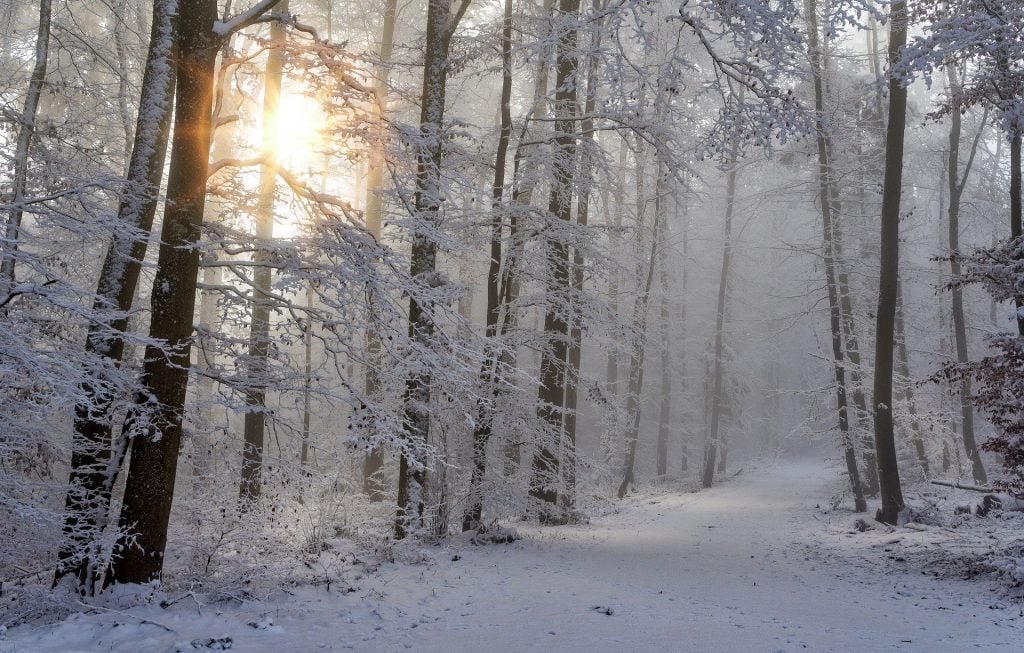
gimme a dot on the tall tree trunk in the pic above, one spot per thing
(1015, 206)
(90, 483)
(685, 435)
(905, 387)
(956, 185)
(307, 378)
(254, 430)
(828, 218)
(373, 464)
(26, 133)
(582, 218)
(441, 25)
(546, 468)
(638, 348)
(612, 373)
(665, 410)
(711, 446)
(490, 370)
(885, 441)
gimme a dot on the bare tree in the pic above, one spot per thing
(892, 191)
(957, 182)
(551, 396)
(442, 22)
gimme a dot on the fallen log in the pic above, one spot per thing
(963, 486)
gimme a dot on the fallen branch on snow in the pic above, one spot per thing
(963, 486)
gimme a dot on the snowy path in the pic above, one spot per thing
(747, 566)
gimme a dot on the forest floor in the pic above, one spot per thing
(759, 563)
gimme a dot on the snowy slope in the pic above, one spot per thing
(755, 564)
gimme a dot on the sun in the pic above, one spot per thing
(296, 131)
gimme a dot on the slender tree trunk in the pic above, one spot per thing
(87, 504)
(885, 441)
(546, 468)
(956, 186)
(307, 380)
(711, 447)
(441, 25)
(254, 430)
(612, 374)
(637, 349)
(905, 386)
(1015, 206)
(665, 410)
(26, 133)
(373, 464)
(685, 436)
(583, 201)
(488, 374)
(825, 199)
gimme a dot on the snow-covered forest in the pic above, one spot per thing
(513, 324)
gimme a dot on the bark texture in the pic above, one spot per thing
(885, 442)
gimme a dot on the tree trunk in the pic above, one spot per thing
(488, 374)
(373, 464)
(711, 448)
(685, 436)
(90, 484)
(26, 133)
(905, 387)
(154, 424)
(1015, 207)
(546, 468)
(637, 349)
(665, 410)
(441, 24)
(582, 217)
(612, 372)
(307, 378)
(885, 441)
(254, 430)
(956, 185)
(825, 199)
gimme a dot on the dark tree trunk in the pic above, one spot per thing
(441, 24)
(485, 412)
(885, 441)
(91, 479)
(546, 468)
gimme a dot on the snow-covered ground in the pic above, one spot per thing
(759, 563)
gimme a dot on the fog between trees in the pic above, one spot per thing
(280, 272)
